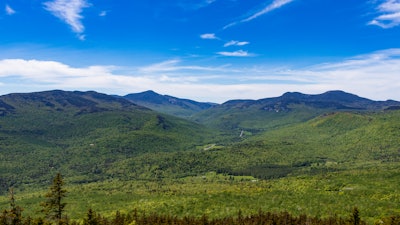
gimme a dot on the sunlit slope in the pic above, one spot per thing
(334, 141)
(331, 142)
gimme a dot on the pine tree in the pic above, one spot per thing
(54, 206)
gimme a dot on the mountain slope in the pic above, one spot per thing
(168, 104)
(82, 134)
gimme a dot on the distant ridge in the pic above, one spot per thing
(291, 107)
(168, 104)
(330, 99)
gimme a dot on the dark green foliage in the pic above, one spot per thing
(92, 218)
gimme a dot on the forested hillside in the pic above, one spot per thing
(83, 135)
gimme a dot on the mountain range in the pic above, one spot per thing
(331, 100)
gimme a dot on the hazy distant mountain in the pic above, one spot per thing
(330, 99)
(291, 107)
(168, 104)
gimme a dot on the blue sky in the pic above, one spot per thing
(206, 50)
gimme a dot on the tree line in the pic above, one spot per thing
(53, 210)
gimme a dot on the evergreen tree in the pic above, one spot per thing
(54, 206)
(355, 217)
(15, 213)
(91, 218)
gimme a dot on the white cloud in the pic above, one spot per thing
(239, 53)
(274, 5)
(69, 11)
(208, 36)
(390, 14)
(236, 43)
(9, 11)
(47, 71)
(375, 75)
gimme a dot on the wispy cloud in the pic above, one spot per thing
(238, 53)
(390, 14)
(236, 43)
(274, 5)
(209, 36)
(70, 12)
(9, 11)
(195, 5)
(175, 65)
(103, 13)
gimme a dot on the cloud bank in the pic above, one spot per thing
(375, 75)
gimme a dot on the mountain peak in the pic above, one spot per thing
(167, 104)
(146, 96)
(338, 95)
(293, 95)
